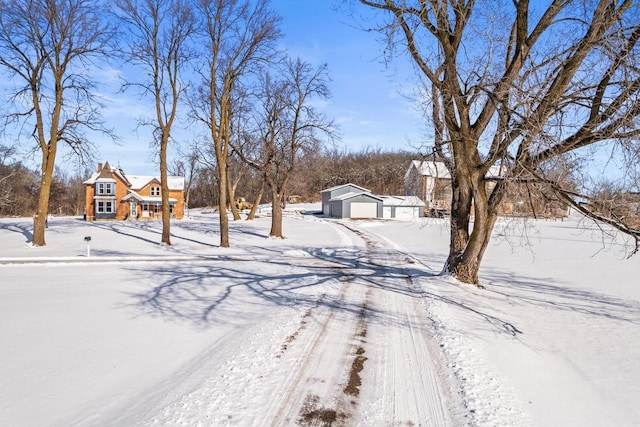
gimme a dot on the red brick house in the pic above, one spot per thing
(112, 195)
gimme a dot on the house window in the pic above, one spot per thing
(155, 190)
(106, 188)
(105, 206)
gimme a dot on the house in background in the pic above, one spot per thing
(430, 181)
(112, 195)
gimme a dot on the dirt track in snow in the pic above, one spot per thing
(361, 353)
(360, 365)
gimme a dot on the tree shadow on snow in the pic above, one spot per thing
(230, 291)
(24, 228)
(154, 228)
(500, 305)
(550, 293)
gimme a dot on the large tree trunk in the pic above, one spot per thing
(164, 184)
(256, 203)
(232, 196)
(276, 214)
(461, 202)
(222, 206)
(468, 260)
(40, 218)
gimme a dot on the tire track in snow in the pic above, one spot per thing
(379, 366)
(361, 355)
(322, 373)
(410, 384)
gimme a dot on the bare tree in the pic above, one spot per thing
(6, 193)
(47, 49)
(239, 34)
(186, 167)
(161, 32)
(516, 85)
(287, 124)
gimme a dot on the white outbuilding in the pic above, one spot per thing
(402, 207)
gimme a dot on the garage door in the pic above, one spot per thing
(364, 210)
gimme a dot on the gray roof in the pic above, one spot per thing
(402, 201)
(364, 190)
(352, 194)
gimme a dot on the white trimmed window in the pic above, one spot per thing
(155, 190)
(105, 206)
(106, 188)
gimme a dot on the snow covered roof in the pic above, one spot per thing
(135, 182)
(364, 190)
(351, 194)
(437, 169)
(402, 201)
(140, 181)
(145, 199)
(430, 168)
(106, 174)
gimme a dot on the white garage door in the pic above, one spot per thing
(386, 212)
(364, 210)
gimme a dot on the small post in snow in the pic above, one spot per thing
(88, 239)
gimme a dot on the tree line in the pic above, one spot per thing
(524, 86)
(378, 170)
(214, 63)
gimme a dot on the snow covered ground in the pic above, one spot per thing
(343, 321)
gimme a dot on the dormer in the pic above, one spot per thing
(105, 184)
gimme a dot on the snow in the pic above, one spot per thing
(271, 331)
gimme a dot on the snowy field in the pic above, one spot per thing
(343, 322)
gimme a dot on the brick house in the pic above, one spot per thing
(112, 195)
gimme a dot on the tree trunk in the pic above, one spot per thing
(232, 196)
(256, 203)
(222, 205)
(461, 202)
(468, 261)
(40, 218)
(276, 215)
(164, 185)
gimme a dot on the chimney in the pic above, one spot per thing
(99, 167)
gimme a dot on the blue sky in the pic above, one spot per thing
(367, 101)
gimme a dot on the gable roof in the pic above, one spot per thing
(107, 172)
(135, 182)
(402, 201)
(352, 194)
(363, 190)
(438, 169)
(138, 182)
